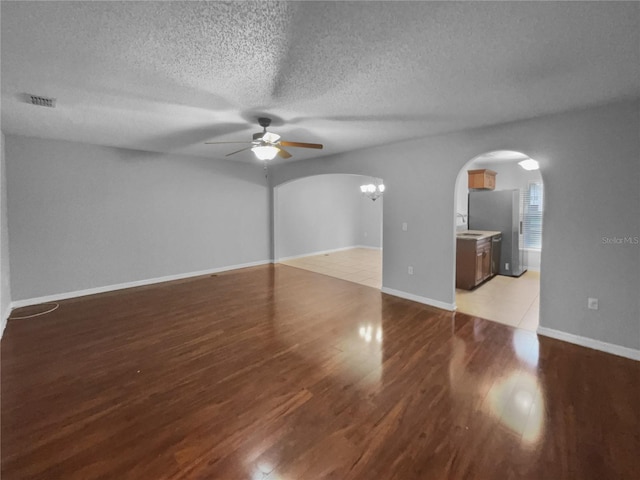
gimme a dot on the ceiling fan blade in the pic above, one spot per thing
(270, 137)
(220, 143)
(238, 151)
(300, 144)
(283, 153)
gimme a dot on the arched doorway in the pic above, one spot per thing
(326, 224)
(501, 192)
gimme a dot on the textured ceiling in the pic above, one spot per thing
(168, 76)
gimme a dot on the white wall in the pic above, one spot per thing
(324, 212)
(5, 289)
(83, 216)
(370, 218)
(510, 175)
(590, 162)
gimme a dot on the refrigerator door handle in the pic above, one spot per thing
(520, 227)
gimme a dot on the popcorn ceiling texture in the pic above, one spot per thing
(168, 76)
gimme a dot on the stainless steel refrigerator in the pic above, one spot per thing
(500, 210)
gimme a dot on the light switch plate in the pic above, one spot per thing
(592, 303)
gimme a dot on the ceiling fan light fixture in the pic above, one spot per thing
(266, 145)
(265, 152)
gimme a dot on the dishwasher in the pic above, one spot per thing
(496, 248)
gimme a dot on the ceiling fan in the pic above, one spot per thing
(266, 145)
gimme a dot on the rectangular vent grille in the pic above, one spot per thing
(43, 101)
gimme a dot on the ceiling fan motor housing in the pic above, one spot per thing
(264, 122)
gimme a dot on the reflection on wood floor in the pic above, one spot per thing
(279, 373)
(508, 300)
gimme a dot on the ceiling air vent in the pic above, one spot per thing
(43, 101)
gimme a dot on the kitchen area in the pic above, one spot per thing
(493, 278)
(477, 257)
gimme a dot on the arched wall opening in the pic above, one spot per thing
(325, 222)
(505, 290)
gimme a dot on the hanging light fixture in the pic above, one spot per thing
(373, 191)
(265, 152)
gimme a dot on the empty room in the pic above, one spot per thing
(306, 240)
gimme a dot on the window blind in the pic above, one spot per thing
(532, 215)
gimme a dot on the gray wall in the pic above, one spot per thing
(324, 212)
(590, 163)
(83, 216)
(5, 290)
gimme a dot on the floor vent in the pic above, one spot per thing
(43, 101)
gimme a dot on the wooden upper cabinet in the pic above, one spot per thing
(484, 178)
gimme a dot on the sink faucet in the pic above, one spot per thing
(463, 216)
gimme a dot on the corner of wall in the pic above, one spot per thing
(5, 289)
(4, 319)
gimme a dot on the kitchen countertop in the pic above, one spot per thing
(476, 234)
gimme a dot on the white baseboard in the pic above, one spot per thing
(367, 247)
(121, 286)
(416, 298)
(590, 343)
(325, 252)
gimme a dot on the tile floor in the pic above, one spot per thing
(358, 265)
(507, 300)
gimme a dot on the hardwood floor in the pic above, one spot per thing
(279, 373)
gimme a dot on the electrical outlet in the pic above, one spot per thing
(405, 227)
(592, 303)
(506, 266)
(410, 270)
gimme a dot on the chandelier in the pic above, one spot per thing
(373, 191)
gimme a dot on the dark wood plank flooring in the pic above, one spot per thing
(278, 373)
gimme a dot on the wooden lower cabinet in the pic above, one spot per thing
(473, 262)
